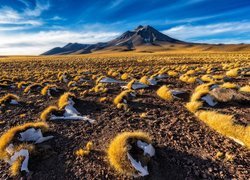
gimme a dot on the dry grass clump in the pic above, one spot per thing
(64, 99)
(122, 97)
(86, 151)
(164, 93)
(7, 98)
(233, 72)
(188, 79)
(229, 85)
(120, 146)
(103, 99)
(190, 72)
(245, 89)
(144, 80)
(172, 73)
(22, 84)
(32, 87)
(47, 88)
(72, 84)
(203, 87)
(194, 106)
(99, 88)
(124, 76)
(16, 166)
(198, 94)
(207, 78)
(130, 84)
(45, 115)
(224, 124)
(8, 136)
(99, 79)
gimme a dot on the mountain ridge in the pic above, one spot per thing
(142, 39)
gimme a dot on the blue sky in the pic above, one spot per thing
(34, 26)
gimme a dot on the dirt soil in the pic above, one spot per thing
(185, 147)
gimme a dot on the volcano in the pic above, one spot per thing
(128, 41)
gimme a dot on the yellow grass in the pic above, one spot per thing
(224, 124)
(124, 76)
(194, 106)
(8, 97)
(233, 72)
(86, 151)
(8, 136)
(123, 95)
(47, 112)
(198, 94)
(229, 85)
(16, 166)
(130, 84)
(118, 148)
(245, 89)
(164, 93)
(64, 99)
(44, 91)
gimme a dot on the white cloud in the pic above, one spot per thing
(186, 32)
(37, 43)
(41, 5)
(27, 17)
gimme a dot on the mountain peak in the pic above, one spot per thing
(129, 40)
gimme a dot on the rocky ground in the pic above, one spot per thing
(185, 147)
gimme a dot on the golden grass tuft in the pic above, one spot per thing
(172, 73)
(8, 97)
(187, 79)
(229, 85)
(86, 151)
(194, 106)
(198, 94)
(31, 87)
(21, 84)
(124, 76)
(144, 80)
(164, 93)
(118, 149)
(233, 72)
(64, 99)
(130, 84)
(100, 88)
(207, 78)
(16, 166)
(224, 124)
(45, 90)
(103, 99)
(122, 106)
(120, 97)
(47, 112)
(245, 89)
(8, 136)
(203, 87)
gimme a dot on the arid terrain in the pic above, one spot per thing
(199, 133)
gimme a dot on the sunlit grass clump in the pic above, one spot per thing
(225, 125)
(8, 98)
(164, 93)
(64, 99)
(245, 89)
(193, 106)
(229, 85)
(233, 72)
(86, 151)
(119, 148)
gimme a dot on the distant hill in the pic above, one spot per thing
(143, 39)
